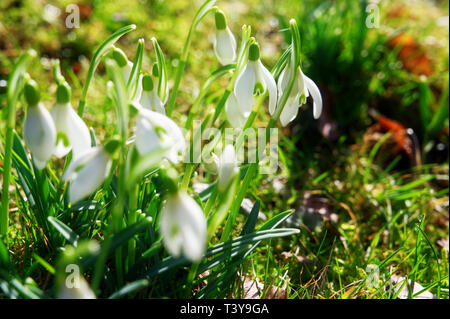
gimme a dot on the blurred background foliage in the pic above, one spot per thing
(379, 149)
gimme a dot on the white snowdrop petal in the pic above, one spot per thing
(169, 137)
(225, 46)
(227, 166)
(40, 134)
(317, 97)
(234, 113)
(126, 71)
(271, 87)
(151, 101)
(71, 170)
(289, 112)
(183, 227)
(82, 291)
(172, 238)
(146, 138)
(90, 177)
(78, 134)
(244, 86)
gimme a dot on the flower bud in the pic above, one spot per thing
(221, 21)
(224, 42)
(39, 129)
(72, 132)
(32, 94)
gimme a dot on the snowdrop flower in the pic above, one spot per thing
(234, 113)
(126, 66)
(150, 99)
(87, 173)
(39, 128)
(224, 42)
(303, 86)
(211, 163)
(155, 130)
(79, 291)
(183, 226)
(253, 79)
(228, 167)
(72, 132)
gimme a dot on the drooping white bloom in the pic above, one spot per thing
(80, 290)
(253, 79)
(39, 129)
(211, 164)
(303, 86)
(126, 67)
(72, 132)
(234, 113)
(224, 42)
(155, 130)
(150, 99)
(183, 227)
(228, 166)
(87, 173)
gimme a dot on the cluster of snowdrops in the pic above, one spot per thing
(61, 132)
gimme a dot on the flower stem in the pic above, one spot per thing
(187, 176)
(15, 83)
(132, 217)
(176, 85)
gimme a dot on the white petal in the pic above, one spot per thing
(151, 101)
(59, 114)
(225, 46)
(244, 86)
(183, 227)
(317, 97)
(172, 138)
(193, 227)
(146, 138)
(234, 113)
(171, 234)
(289, 111)
(81, 161)
(88, 178)
(228, 167)
(126, 71)
(78, 133)
(271, 87)
(40, 134)
(83, 291)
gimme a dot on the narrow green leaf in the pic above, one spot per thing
(101, 51)
(64, 230)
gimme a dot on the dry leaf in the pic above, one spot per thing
(411, 54)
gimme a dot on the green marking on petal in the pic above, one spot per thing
(258, 89)
(61, 136)
(302, 99)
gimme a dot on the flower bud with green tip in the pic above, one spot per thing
(72, 132)
(126, 67)
(224, 42)
(253, 79)
(87, 173)
(150, 99)
(39, 129)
